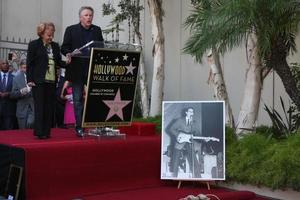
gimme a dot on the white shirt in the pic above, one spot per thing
(2, 76)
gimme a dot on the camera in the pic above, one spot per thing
(10, 56)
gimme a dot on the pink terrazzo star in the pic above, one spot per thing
(116, 106)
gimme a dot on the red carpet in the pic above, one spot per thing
(68, 167)
(168, 192)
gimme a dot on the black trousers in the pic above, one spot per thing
(44, 105)
(7, 122)
(187, 153)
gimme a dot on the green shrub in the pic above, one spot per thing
(262, 161)
(259, 159)
(156, 120)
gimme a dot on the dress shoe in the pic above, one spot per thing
(43, 137)
(79, 132)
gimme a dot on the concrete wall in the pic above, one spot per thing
(20, 18)
(184, 78)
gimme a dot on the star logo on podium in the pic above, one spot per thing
(130, 68)
(125, 57)
(116, 106)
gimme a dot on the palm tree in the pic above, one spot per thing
(216, 77)
(229, 23)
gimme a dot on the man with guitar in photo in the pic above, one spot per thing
(188, 145)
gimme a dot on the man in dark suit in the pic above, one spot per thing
(23, 94)
(185, 148)
(7, 105)
(75, 37)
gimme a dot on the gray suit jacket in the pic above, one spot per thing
(24, 102)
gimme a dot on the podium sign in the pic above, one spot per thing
(111, 87)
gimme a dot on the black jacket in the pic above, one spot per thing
(37, 60)
(74, 39)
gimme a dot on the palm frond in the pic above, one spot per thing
(224, 24)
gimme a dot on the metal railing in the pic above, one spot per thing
(17, 49)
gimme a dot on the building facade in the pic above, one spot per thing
(184, 78)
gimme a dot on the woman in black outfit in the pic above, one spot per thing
(43, 59)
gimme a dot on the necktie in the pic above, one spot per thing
(4, 82)
(25, 79)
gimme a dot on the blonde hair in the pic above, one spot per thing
(42, 27)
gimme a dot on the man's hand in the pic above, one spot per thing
(25, 90)
(69, 58)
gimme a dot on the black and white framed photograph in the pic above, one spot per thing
(193, 140)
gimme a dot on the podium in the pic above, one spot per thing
(111, 85)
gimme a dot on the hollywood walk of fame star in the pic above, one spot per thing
(130, 68)
(125, 57)
(116, 106)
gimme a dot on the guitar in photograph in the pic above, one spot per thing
(184, 137)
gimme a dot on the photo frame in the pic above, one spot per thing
(193, 140)
(14, 182)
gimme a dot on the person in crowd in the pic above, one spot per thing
(186, 147)
(66, 94)
(76, 36)
(43, 58)
(12, 69)
(13, 62)
(7, 105)
(23, 94)
(59, 103)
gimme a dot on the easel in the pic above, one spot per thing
(207, 182)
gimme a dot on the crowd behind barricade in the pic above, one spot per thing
(17, 103)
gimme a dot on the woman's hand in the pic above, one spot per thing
(31, 84)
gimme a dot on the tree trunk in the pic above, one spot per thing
(252, 92)
(278, 62)
(143, 84)
(158, 51)
(142, 72)
(216, 79)
(285, 74)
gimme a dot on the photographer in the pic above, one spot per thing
(23, 94)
